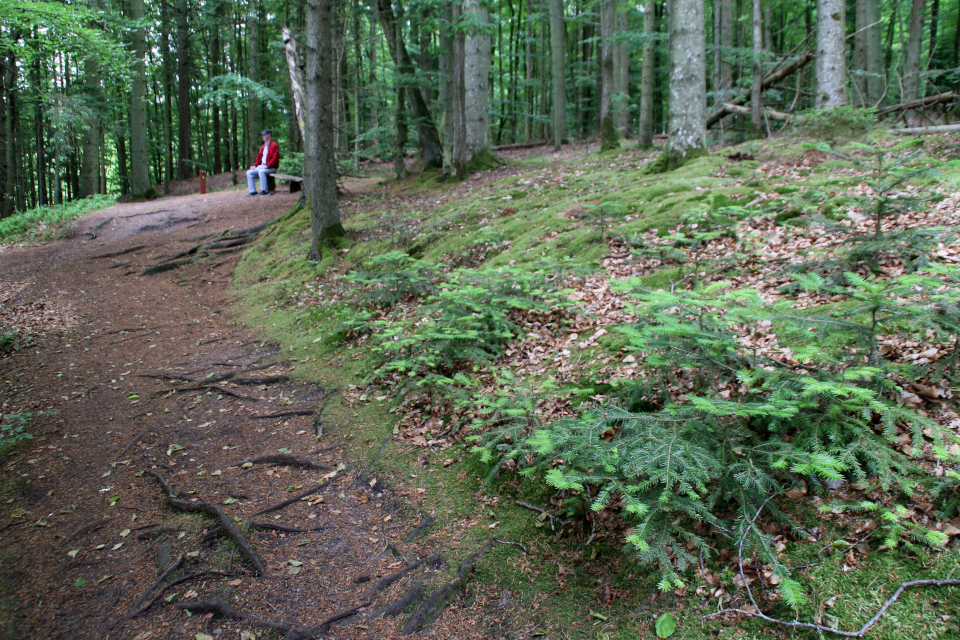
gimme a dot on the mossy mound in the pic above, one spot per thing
(484, 160)
(608, 136)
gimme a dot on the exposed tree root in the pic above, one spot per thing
(386, 581)
(399, 605)
(115, 254)
(229, 242)
(287, 459)
(136, 609)
(91, 526)
(340, 615)
(284, 414)
(419, 529)
(216, 511)
(276, 526)
(259, 381)
(429, 609)
(292, 630)
(300, 496)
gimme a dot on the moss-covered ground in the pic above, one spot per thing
(557, 207)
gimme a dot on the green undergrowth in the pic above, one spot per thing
(31, 224)
(431, 298)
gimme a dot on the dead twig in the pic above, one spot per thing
(217, 512)
(346, 613)
(419, 529)
(276, 526)
(300, 496)
(292, 630)
(284, 414)
(136, 609)
(386, 581)
(91, 526)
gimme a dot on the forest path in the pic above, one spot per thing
(108, 369)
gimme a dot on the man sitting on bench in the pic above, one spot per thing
(266, 162)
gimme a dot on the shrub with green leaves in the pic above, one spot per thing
(734, 423)
(391, 277)
(13, 430)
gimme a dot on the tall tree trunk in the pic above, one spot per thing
(320, 163)
(686, 124)
(873, 53)
(139, 159)
(375, 101)
(622, 77)
(457, 91)
(756, 105)
(168, 94)
(185, 150)
(252, 127)
(557, 32)
(215, 105)
(830, 63)
(476, 80)
(9, 119)
(911, 66)
(648, 69)
(934, 25)
(90, 161)
(608, 17)
(296, 77)
(426, 130)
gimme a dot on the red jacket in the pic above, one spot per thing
(273, 155)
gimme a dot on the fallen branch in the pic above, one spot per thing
(771, 114)
(422, 616)
(285, 459)
(919, 103)
(862, 631)
(259, 381)
(300, 496)
(293, 630)
(217, 512)
(925, 131)
(346, 613)
(91, 526)
(769, 80)
(115, 254)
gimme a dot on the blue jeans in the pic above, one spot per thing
(262, 172)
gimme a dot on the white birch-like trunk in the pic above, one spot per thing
(476, 77)
(831, 67)
(686, 124)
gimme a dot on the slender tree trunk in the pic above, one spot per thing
(911, 66)
(296, 77)
(686, 125)
(168, 93)
(476, 80)
(446, 85)
(252, 128)
(90, 161)
(320, 163)
(608, 17)
(756, 104)
(457, 96)
(185, 148)
(8, 130)
(559, 80)
(139, 159)
(622, 77)
(215, 105)
(934, 25)
(873, 42)
(375, 100)
(645, 127)
(426, 130)
(830, 63)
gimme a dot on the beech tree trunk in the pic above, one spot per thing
(476, 80)
(830, 63)
(756, 105)
(320, 165)
(621, 107)
(723, 41)
(253, 102)
(911, 65)
(460, 132)
(139, 163)
(608, 16)
(557, 33)
(686, 123)
(645, 126)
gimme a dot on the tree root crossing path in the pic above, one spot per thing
(136, 500)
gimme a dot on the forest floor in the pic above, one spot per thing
(106, 376)
(175, 374)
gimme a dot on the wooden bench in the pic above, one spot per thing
(296, 182)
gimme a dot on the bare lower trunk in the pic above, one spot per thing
(756, 105)
(621, 107)
(608, 16)
(476, 80)
(911, 65)
(90, 163)
(830, 63)
(185, 155)
(557, 65)
(320, 166)
(686, 126)
(139, 167)
(645, 128)
(296, 77)
(457, 91)
(876, 73)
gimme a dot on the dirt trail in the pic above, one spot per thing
(113, 366)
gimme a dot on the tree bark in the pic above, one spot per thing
(911, 65)
(686, 126)
(460, 138)
(557, 29)
(296, 77)
(9, 119)
(320, 165)
(139, 163)
(622, 78)
(876, 77)
(608, 16)
(90, 161)
(253, 102)
(476, 80)
(168, 91)
(830, 63)
(426, 130)
(645, 127)
(756, 88)
(216, 71)
(185, 147)
(724, 39)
